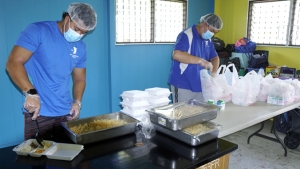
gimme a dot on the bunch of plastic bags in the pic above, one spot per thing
(244, 91)
(215, 88)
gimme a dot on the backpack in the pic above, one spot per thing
(258, 59)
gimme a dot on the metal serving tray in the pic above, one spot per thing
(99, 135)
(190, 139)
(192, 153)
(206, 112)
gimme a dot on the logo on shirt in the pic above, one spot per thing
(74, 51)
(206, 43)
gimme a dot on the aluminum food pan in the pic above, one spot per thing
(205, 113)
(192, 153)
(190, 139)
(100, 135)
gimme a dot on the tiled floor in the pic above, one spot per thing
(261, 153)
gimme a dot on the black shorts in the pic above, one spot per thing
(50, 127)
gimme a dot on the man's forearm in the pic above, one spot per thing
(78, 89)
(215, 62)
(18, 75)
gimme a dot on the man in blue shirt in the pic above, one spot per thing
(44, 59)
(194, 51)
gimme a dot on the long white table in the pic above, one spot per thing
(235, 118)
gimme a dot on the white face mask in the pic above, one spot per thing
(71, 35)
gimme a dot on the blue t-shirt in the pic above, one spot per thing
(51, 65)
(190, 78)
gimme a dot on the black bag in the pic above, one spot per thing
(258, 59)
(236, 62)
(230, 48)
(288, 121)
(282, 123)
(223, 57)
(224, 61)
(218, 43)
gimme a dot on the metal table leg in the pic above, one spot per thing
(277, 139)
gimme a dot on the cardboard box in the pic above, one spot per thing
(274, 70)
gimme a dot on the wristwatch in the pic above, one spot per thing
(32, 91)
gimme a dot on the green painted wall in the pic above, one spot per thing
(234, 15)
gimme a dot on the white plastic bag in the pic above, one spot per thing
(296, 84)
(210, 88)
(231, 77)
(246, 89)
(264, 87)
(269, 78)
(220, 79)
(281, 93)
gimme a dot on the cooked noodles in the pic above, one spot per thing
(181, 112)
(97, 125)
(197, 129)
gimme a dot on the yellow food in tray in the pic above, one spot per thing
(46, 144)
(97, 125)
(39, 151)
(197, 129)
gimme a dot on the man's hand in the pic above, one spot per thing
(206, 65)
(32, 104)
(75, 110)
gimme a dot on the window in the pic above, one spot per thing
(274, 22)
(149, 21)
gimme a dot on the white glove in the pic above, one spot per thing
(32, 104)
(75, 110)
(206, 65)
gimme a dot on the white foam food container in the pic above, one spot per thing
(159, 102)
(63, 151)
(137, 116)
(138, 105)
(32, 148)
(133, 112)
(158, 92)
(134, 95)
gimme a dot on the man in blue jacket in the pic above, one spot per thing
(194, 51)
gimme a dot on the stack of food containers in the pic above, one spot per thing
(158, 96)
(135, 103)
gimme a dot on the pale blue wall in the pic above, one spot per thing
(111, 69)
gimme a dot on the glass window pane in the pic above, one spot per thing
(269, 22)
(169, 20)
(295, 40)
(138, 20)
(133, 20)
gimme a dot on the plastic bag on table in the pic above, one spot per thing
(269, 78)
(231, 75)
(296, 84)
(147, 127)
(220, 79)
(281, 93)
(246, 90)
(210, 88)
(264, 87)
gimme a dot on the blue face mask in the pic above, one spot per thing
(207, 35)
(71, 35)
